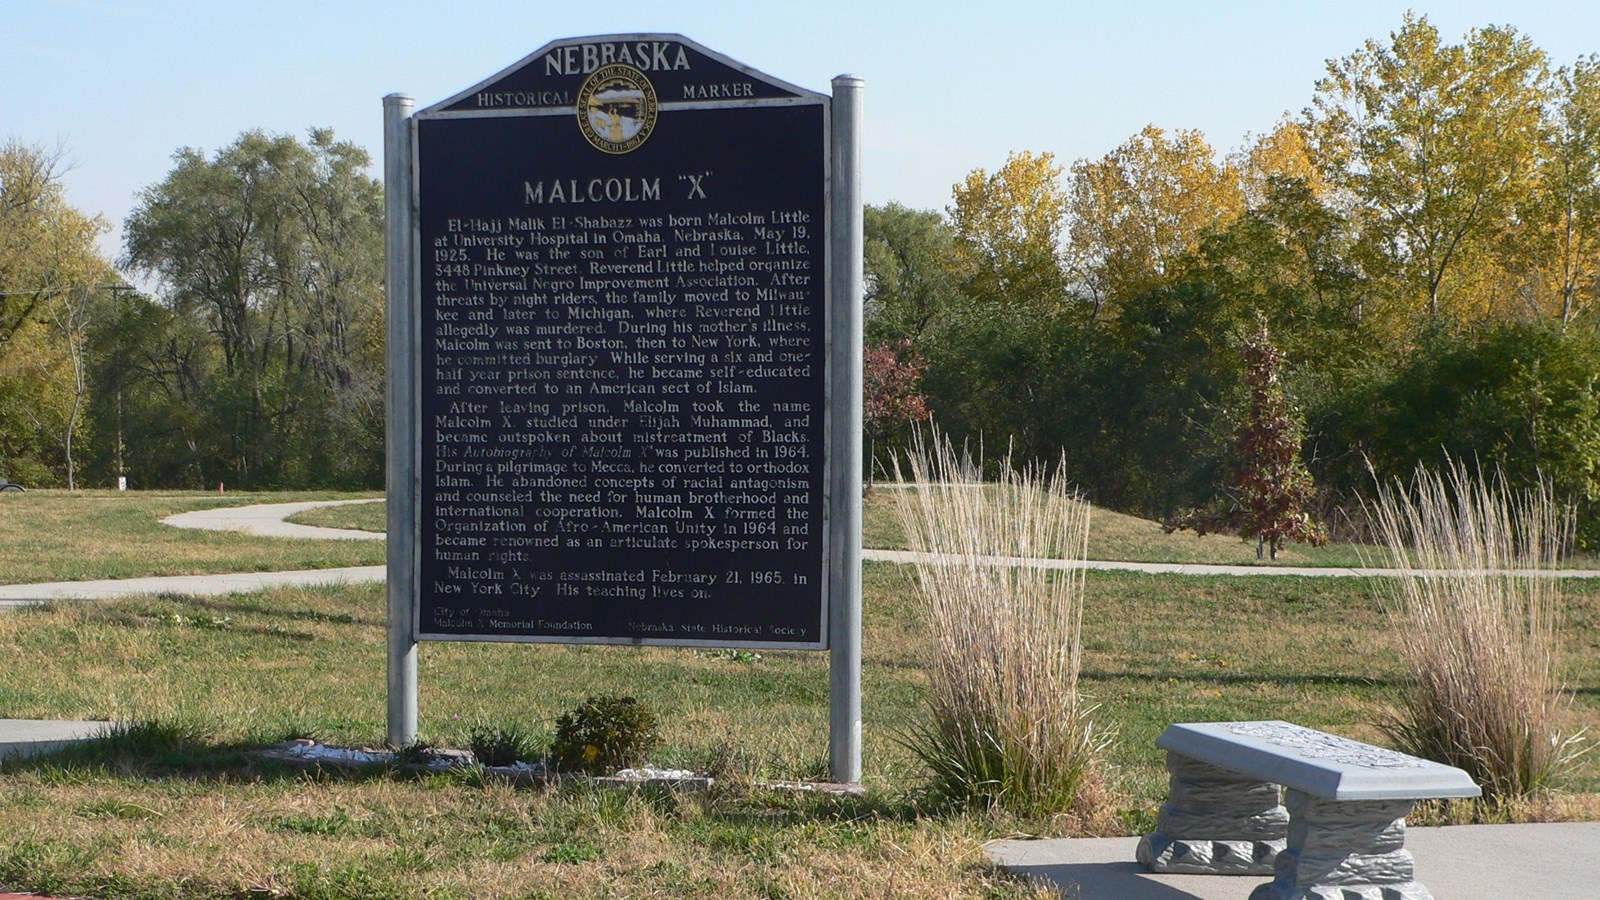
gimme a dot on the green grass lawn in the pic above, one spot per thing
(188, 812)
(85, 535)
(360, 516)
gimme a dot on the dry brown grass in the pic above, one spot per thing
(379, 838)
(1007, 722)
(1479, 622)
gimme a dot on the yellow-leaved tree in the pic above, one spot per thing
(1554, 251)
(1284, 154)
(1432, 146)
(1140, 208)
(1008, 229)
(50, 270)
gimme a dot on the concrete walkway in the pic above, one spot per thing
(909, 556)
(1463, 862)
(267, 520)
(31, 737)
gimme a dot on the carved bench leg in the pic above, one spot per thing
(1215, 822)
(1344, 850)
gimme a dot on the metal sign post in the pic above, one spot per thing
(844, 697)
(625, 357)
(402, 476)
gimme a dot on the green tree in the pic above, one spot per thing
(998, 373)
(1287, 260)
(276, 246)
(152, 369)
(1522, 398)
(911, 279)
(990, 373)
(1432, 146)
(1162, 379)
(46, 246)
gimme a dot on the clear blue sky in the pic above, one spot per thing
(950, 86)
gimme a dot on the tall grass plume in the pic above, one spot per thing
(1007, 724)
(1479, 621)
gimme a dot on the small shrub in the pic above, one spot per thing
(1007, 725)
(1270, 493)
(1479, 621)
(500, 746)
(605, 734)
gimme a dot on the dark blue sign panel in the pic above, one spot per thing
(623, 294)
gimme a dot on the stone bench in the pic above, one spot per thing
(1338, 833)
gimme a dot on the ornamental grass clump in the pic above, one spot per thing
(1479, 622)
(1006, 724)
(499, 745)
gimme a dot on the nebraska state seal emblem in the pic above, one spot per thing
(617, 108)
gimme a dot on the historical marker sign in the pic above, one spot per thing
(623, 405)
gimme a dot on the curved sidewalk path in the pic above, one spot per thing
(267, 520)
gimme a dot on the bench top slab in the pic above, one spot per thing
(1315, 762)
